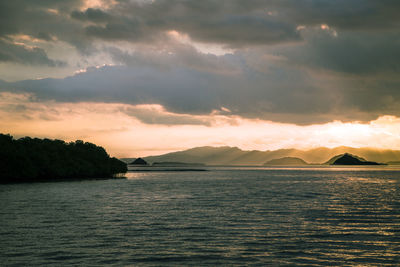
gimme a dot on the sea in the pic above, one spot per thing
(217, 216)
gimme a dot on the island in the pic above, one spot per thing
(33, 159)
(139, 162)
(349, 159)
(286, 161)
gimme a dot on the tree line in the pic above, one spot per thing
(34, 159)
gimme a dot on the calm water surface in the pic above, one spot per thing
(242, 216)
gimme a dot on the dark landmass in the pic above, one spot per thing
(233, 156)
(333, 159)
(348, 159)
(166, 166)
(32, 159)
(139, 161)
(393, 163)
(167, 169)
(176, 164)
(286, 161)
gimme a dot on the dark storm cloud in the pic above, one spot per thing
(19, 54)
(188, 91)
(225, 22)
(44, 20)
(365, 15)
(238, 23)
(184, 56)
(233, 23)
(362, 53)
(247, 84)
(91, 14)
(34, 17)
(127, 30)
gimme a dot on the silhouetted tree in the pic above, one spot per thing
(31, 159)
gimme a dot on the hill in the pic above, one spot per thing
(33, 159)
(393, 163)
(139, 161)
(286, 161)
(348, 159)
(235, 156)
(205, 155)
(338, 157)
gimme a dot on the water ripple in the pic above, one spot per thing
(319, 217)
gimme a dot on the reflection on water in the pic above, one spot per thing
(241, 216)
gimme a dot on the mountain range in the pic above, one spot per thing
(234, 156)
(286, 161)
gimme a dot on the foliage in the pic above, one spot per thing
(31, 159)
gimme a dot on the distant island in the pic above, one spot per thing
(230, 155)
(139, 162)
(286, 161)
(34, 159)
(349, 159)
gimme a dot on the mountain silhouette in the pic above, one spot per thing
(139, 161)
(234, 156)
(286, 161)
(348, 159)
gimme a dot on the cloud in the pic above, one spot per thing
(153, 114)
(233, 23)
(19, 53)
(288, 60)
(91, 14)
(44, 20)
(174, 54)
(275, 94)
(364, 15)
(225, 22)
(237, 23)
(362, 53)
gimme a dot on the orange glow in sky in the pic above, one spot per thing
(142, 130)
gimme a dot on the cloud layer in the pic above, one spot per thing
(290, 61)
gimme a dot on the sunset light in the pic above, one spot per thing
(136, 130)
(199, 133)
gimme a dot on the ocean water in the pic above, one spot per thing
(223, 216)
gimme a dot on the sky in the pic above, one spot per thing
(146, 77)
